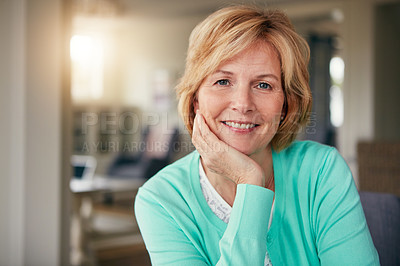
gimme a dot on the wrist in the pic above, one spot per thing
(256, 178)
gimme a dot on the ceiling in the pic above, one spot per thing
(307, 15)
(168, 8)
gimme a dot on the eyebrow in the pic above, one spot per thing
(223, 72)
(220, 71)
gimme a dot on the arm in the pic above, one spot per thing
(243, 243)
(173, 239)
(166, 242)
(342, 235)
(245, 238)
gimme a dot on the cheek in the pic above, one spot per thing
(272, 116)
(271, 112)
(209, 105)
(210, 112)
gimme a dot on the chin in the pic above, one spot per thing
(243, 148)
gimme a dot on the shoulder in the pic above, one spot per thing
(168, 195)
(308, 152)
(172, 180)
(314, 163)
(307, 147)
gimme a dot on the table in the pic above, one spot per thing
(101, 184)
(84, 190)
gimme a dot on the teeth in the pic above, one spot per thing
(239, 125)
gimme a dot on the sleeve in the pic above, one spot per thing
(243, 243)
(342, 235)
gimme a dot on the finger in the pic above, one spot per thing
(204, 128)
(206, 152)
(196, 133)
(197, 138)
(201, 147)
(209, 137)
(208, 149)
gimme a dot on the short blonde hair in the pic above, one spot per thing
(231, 30)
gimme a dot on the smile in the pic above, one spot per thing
(239, 125)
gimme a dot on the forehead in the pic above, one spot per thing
(258, 55)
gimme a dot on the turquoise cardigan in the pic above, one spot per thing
(317, 219)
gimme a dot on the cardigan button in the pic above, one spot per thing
(269, 239)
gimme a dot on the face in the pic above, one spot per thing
(242, 100)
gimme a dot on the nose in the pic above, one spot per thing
(242, 99)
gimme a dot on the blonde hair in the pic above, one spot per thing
(231, 30)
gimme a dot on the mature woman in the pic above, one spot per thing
(250, 194)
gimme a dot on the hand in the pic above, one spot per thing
(222, 159)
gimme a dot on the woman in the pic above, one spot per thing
(250, 195)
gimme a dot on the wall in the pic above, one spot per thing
(136, 48)
(153, 44)
(30, 158)
(5, 133)
(358, 86)
(12, 116)
(387, 69)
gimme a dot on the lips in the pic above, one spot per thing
(240, 125)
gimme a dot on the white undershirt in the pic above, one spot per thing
(219, 206)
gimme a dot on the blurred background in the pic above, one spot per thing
(88, 112)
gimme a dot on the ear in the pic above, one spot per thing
(195, 103)
(284, 108)
(283, 112)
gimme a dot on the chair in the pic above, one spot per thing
(155, 153)
(379, 166)
(84, 166)
(382, 212)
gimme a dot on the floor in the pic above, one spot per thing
(126, 256)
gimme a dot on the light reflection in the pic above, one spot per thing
(336, 69)
(336, 106)
(87, 55)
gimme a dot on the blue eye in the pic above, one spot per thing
(263, 85)
(222, 82)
